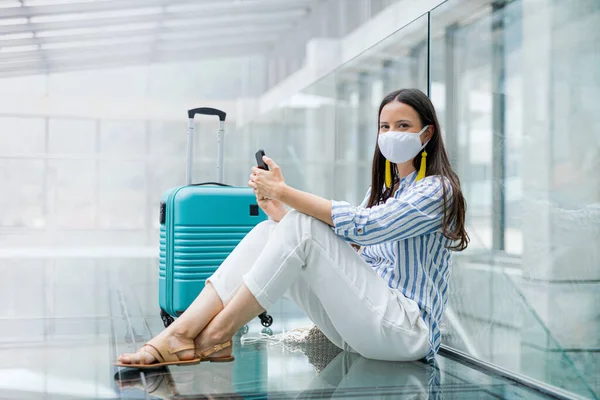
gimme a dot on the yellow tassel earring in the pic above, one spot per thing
(421, 173)
(388, 174)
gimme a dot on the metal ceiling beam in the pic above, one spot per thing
(120, 32)
(79, 7)
(113, 52)
(103, 61)
(184, 34)
(234, 15)
(213, 7)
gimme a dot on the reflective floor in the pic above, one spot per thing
(64, 321)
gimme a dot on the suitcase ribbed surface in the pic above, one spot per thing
(199, 250)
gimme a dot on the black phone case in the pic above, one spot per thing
(259, 161)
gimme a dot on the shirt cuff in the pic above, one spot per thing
(342, 215)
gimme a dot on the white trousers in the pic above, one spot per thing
(302, 258)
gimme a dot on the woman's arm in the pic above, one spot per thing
(417, 211)
(306, 203)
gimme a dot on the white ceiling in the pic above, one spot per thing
(37, 36)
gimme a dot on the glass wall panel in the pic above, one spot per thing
(23, 193)
(121, 195)
(516, 84)
(72, 193)
(72, 136)
(399, 61)
(310, 134)
(167, 138)
(22, 199)
(123, 138)
(20, 135)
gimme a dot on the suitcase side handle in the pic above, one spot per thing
(210, 183)
(207, 111)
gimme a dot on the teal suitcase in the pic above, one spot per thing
(200, 224)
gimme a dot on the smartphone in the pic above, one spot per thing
(259, 160)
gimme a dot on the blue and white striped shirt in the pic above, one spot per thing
(404, 244)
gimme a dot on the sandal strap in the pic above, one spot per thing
(161, 350)
(183, 348)
(155, 352)
(213, 349)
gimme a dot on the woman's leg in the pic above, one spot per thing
(223, 284)
(228, 277)
(355, 306)
(218, 291)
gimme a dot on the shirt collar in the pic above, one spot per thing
(407, 181)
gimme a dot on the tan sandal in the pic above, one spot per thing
(164, 355)
(204, 355)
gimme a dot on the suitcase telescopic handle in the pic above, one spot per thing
(207, 111)
(190, 142)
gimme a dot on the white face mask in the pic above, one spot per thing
(400, 147)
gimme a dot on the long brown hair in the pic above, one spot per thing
(453, 223)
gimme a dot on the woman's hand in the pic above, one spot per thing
(273, 208)
(270, 185)
(267, 184)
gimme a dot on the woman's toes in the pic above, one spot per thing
(141, 357)
(125, 359)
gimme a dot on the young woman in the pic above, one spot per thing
(384, 301)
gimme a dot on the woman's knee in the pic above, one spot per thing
(265, 226)
(297, 218)
(306, 225)
(293, 215)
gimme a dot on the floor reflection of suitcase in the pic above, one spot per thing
(200, 224)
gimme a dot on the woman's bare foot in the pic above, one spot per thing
(206, 342)
(173, 341)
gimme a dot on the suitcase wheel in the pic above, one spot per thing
(266, 320)
(166, 318)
